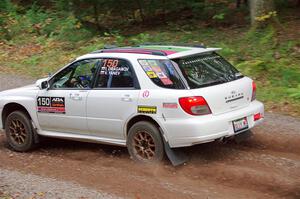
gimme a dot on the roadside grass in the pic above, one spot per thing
(268, 56)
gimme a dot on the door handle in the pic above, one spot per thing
(126, 98)
(75, 96)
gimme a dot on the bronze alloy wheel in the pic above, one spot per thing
(144, 143)
(20, 132)
(144, 146)
(17, 131)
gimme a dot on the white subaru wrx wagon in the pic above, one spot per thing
(150, 98)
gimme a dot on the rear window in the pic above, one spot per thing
(162, 73)
(206, 70)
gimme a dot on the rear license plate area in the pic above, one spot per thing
(240, 124)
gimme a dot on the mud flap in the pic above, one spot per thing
(35, 134)
(176, 156)
(243, 136)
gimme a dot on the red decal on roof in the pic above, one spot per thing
(169, 52)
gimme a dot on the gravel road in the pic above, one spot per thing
(19, 185)
(265, 166)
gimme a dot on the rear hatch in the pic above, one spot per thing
(209, 75)
(227, 97)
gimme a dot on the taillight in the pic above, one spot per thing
(194, 105)
(257, 116)
(253, 91)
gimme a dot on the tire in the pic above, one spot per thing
(19, 132)
(144, 143)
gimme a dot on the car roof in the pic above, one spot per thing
(150, 51)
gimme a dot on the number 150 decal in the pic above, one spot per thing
(51, 105)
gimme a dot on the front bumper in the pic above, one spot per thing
(196, 130)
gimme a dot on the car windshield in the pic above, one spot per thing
(162, 73)
(207, 69)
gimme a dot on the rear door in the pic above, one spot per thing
(113, 99)
(62, 107)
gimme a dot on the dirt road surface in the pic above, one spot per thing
(265, 166)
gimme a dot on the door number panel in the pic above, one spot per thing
(51, 105)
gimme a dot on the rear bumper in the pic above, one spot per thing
(196, 130)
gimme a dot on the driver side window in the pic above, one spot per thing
(78, 75)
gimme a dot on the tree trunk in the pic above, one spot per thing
(259, 8)
(96, 17)
(140, 7)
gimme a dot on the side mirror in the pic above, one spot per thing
(44, 85)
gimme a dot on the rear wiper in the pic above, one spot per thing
(238, 75)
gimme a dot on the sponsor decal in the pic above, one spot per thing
(145, 65)
(143, 62)
(170, 67)
(147, 68)
(146, 94)
(147, 109)
(156, 69)
(112, 67)
(170, 105)
(113, 70)
(110, 63)
(51, 105)
(161, 75)
(166, 81)
(151, 74)
(152, 63)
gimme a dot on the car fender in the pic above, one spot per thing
(156, 119)
(28, 102)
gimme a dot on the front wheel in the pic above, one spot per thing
(19, 132)
(145, 143)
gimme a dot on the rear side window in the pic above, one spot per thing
(162, 73)
(206, 70)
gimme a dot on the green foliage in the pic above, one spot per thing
(36, 21)
(295, 92)
(219, 17)
(70, 29)
(140, 39)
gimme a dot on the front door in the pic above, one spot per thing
(62, 108)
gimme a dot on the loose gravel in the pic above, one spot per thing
(13, 81)
(18, 185)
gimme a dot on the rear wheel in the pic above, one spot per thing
(19, 132)
(145, 143)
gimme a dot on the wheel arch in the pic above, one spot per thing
(138, 118)
(11, 107)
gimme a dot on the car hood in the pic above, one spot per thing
(19, 90)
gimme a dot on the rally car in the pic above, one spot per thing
(148, 98)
